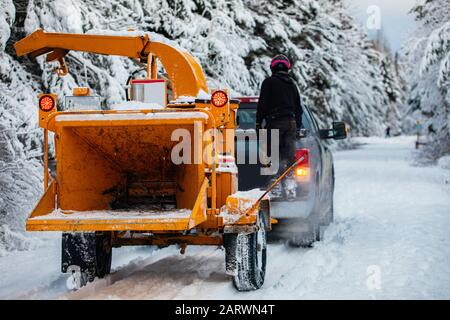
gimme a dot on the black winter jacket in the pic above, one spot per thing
(279, 98)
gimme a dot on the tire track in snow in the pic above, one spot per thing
(160, 276)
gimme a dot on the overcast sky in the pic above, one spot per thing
(396, 23)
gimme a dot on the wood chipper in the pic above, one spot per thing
(116, 182)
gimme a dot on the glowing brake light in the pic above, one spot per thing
(219, 99)
(46, 103)
(302, 172)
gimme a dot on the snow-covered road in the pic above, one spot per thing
(391, 239)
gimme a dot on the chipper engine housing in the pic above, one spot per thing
(116, 181)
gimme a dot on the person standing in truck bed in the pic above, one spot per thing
(279, 107)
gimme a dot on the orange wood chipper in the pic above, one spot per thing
(115, 182)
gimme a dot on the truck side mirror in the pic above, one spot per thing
(339, 132)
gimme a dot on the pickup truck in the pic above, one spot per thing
(301, 222)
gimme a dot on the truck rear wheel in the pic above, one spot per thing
(89, 254)
(305, 240)
(246, 256)
(328, 213)
(314, 233)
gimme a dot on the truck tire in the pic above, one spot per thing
(307, 239)
(329, 214)
(246, 256)
(301, 241)
(90, 253)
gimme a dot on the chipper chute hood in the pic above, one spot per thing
(185, 73)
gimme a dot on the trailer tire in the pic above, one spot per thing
(91, 253)
(247, 255)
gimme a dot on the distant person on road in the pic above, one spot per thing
(419, 129)
(279, 107)
(388, 132)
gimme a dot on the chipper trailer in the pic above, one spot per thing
(116, 183)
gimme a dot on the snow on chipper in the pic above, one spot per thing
(116, 182)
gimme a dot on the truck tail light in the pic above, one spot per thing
(46, 103)
(302, 172)
(219, 99)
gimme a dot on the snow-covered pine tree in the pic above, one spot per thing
(393, 88)
(428, 54)
(20, 147)
(358, 88)
(392, 82)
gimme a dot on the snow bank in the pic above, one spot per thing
(444, 162)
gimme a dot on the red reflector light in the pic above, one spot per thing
(219, 99)
(46, 103)
(302, 171)
(302, 153)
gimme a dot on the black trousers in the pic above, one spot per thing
(287, 128)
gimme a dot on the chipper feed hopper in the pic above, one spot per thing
(152, 173)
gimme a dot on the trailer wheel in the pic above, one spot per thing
(89, 254)
(247, 255)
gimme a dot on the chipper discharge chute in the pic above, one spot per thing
(149, 173)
